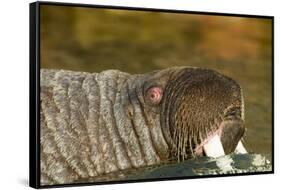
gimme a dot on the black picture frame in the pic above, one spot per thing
(34, 90)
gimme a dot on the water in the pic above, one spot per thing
(228, 164)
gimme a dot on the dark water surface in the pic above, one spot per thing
(93, 40)
(229, 164)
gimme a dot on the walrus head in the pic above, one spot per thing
(199, 110)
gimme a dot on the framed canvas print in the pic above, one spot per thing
(120, 94)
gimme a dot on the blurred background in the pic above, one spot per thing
(92, 40)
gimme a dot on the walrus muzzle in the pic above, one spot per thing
(204, 113)
(101, 126)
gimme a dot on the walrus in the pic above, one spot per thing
(102, 126)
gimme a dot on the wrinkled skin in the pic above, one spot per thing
(102, 126)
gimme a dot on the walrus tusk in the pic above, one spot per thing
(240, 149)
(214, 148)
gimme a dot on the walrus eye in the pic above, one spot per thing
(154, 95)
